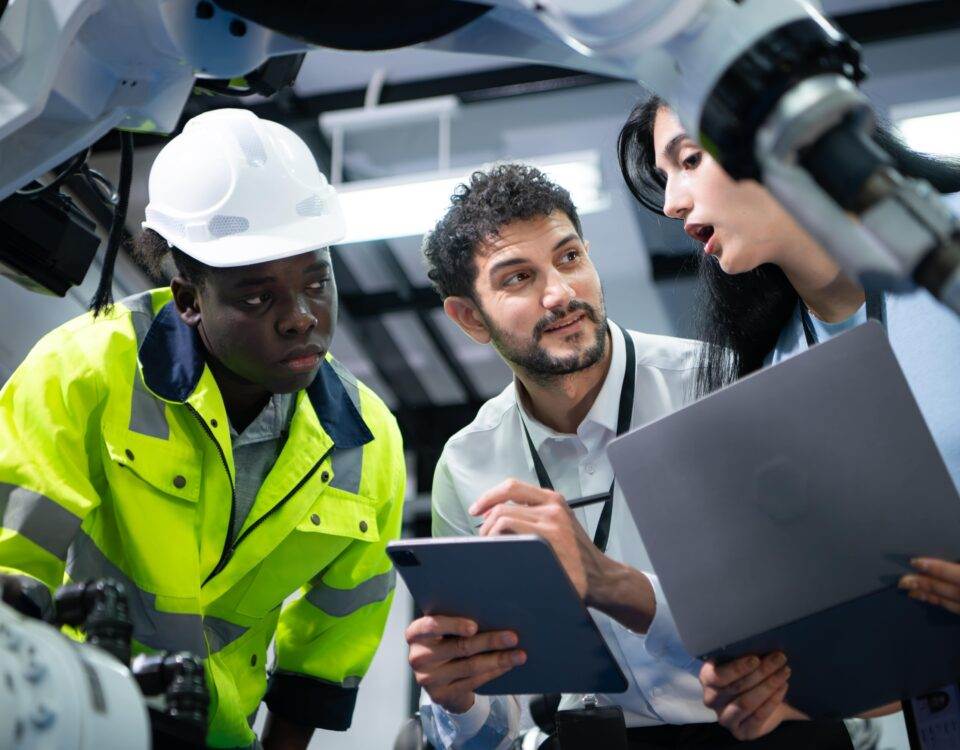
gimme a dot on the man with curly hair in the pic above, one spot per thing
(510, 260)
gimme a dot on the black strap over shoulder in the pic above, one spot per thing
(876, 310)
(624, 416)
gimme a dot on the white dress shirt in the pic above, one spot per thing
(662, 677)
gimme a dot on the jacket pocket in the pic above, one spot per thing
(153, 507)
(167, 468)
(333, 523)
(342, 514)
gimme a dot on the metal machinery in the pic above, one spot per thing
(60, 694)
(770, 87)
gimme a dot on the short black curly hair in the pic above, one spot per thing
(479, 210)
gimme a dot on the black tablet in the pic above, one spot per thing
(513, 583)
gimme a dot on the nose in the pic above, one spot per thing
(298, 319)
(677, 199)
(558, 292)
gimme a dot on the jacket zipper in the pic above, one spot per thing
(229, 549)
(233, 491)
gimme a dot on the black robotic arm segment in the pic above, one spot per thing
(361, 24)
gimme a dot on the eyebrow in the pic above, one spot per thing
(320, 265)
(500, 265)
(670, 150)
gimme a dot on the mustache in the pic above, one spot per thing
(575, 305)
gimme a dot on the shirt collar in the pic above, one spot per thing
(172, 361)
(606, 408)
(270, 424)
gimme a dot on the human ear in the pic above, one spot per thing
(186, 297)
(463, 311)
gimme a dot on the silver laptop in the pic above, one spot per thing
(780, 512)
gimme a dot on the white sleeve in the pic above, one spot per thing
(492, 723)
(450, 517)
(662, 640)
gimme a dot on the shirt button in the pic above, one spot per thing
(657, 692)
(363, 527)
(179, 482)
(589, 468)
(315, 519)
(213, 423)
(325, 476)
(129, 454)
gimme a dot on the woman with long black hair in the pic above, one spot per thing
(768, 290)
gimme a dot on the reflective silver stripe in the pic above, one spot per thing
(141, 320)
(349, 383)
(347, 469)
(348, 464)
(168, 631)
(342, 602)
(221, 633)
(38, 518)
(147, 415)
(141, 314)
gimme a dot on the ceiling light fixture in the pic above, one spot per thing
(410, 205)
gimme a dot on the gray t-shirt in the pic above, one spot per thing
(255, 451)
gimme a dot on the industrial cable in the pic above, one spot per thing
(73, 166)
(103, 298)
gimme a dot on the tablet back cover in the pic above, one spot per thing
(780, 512)
(513, 583)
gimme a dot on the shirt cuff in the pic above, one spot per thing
(465, 725)
(310, 701)
(663, 640)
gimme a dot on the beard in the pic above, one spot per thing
(531, 357)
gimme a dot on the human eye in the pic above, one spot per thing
(570, 256)
(256, 300)
(318, 285)
(516, 278)
(693, 160)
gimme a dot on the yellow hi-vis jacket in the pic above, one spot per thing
(116, 461)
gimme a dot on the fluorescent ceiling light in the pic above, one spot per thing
(412, 205)
(933, 134)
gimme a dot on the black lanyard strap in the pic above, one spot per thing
(624, 416)
(875, 311)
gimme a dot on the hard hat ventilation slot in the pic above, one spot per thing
(312, 206)
(222, 226)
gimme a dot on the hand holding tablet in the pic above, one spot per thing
(518, 587)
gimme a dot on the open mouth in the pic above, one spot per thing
(704, 233)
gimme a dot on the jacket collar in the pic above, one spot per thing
(172, 361)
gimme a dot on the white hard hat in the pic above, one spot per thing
(234, 190)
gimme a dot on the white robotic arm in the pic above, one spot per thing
(72, 70)
(60, 695)
(769, 87)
